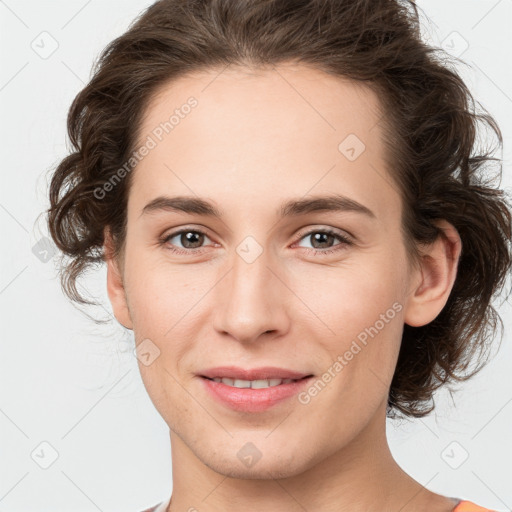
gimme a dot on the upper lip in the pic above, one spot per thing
(266, 372)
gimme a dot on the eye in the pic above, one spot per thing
(191, 240)
(321, 240)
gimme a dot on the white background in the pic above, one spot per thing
(75, 385)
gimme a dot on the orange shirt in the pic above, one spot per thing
(468, 506)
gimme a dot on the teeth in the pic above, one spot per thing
(254, 384)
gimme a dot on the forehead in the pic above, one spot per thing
(267, 133)
(266, 97)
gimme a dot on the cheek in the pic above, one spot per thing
(162, 295)
(361, 326)
(162, 305)
(165, 302)
(349, 298)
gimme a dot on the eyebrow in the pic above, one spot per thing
(293, 207)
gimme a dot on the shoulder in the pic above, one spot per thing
(469, 506)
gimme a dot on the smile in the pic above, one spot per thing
(253, 384)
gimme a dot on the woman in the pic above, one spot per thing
(299, 233)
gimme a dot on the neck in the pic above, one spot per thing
(361, 476)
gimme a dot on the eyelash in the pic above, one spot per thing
(344, 241)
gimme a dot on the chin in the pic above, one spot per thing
(277, 466)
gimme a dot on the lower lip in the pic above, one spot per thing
(253, 400)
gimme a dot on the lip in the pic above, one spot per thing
(248, 399)
(265, 372)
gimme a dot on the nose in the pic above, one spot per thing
(250, 301)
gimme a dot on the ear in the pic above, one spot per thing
(434, 280)
(115, 285)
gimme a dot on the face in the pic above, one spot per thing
(319, 291)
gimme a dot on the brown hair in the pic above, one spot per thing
(430, 128)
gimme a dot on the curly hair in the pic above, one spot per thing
(430, 129)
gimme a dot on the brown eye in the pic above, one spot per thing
(191, 239)
(322, 241)
(185, 240)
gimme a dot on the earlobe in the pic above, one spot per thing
(115, 285)
(435, 278)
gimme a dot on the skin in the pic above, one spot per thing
(255, 140)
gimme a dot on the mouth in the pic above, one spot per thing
(255, 395)
(254, 384)
(253, 389)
